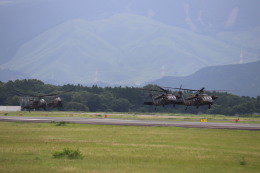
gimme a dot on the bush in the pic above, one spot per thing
(68, 153)
(242, 162)
(62, 123)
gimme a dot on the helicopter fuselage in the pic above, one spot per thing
(199, 100)
(164, 99)
(56, 103)
(36, 104)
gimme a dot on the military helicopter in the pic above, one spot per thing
(37, 102)
(197, 100)
(55, 103)
(162, 99)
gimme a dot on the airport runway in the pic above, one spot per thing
(112, 121)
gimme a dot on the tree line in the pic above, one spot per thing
(121, 99)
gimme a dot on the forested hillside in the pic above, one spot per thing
(120, 99)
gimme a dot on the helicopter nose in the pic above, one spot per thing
(214, 97)
(58, 99)
(171, 98)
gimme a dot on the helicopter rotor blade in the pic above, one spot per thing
(54, 94)
(39, 95)
(164, 90)
(160, 89)
(24, 94)
(180, 88)
(153, 90)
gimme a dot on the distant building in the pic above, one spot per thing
(10, 108)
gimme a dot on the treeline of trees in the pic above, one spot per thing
(120, 99)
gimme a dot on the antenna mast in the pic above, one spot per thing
(163, 71)
(241, 61)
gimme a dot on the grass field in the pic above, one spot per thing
(29, 147)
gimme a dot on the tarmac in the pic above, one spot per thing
(127, 122)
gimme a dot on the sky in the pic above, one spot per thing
(21, 20)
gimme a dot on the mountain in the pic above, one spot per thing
(29, 18)
(239, 79)
(122, 49)
(248, 39)
(6, 75)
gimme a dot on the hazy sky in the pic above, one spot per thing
(205, 12)
(21, 20)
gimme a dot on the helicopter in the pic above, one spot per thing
(55, 103)
(197, 100)
(30, 103)
(161, 100)
(37, 102)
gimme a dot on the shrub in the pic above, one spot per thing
(68, 153)
(62, 123)
(242, 162)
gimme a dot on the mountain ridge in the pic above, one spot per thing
(239, 79)
(123, 49)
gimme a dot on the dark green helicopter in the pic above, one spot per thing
(36, 102)
(198, 99)
(161, 99)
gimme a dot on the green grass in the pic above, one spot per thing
(29, 147)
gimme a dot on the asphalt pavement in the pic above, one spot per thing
(126, 122)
